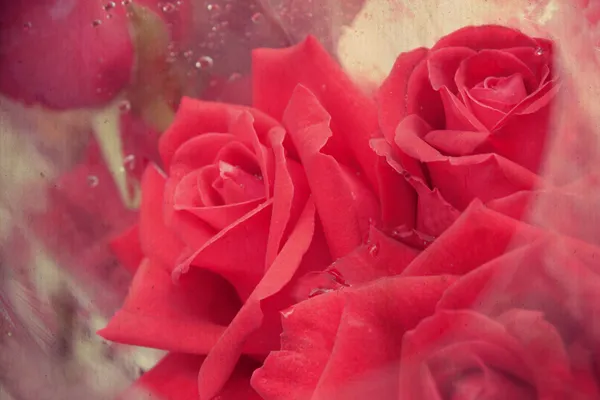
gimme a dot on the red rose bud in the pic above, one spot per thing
(64, 54)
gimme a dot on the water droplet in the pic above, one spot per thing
(235, 76)
(287, 312)
(126, 2)
(96, 23)
(27, 26)
(124, 106)
(374, 250)
(92, 181)
(9, 334)
(539, 51)
(257, 18)
(108, 16)
(317, 292)
(188, 54)
(129, 162)
(109, 6)
(168, 7)
(204, 62)
(213, 7)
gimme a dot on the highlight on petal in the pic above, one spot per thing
(188, 317)
(345, 205)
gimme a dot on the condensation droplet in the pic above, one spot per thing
(109, 6)
(374, 250)
(188, 54)
(168, 7)
(96, 23)
(92, 180)
(235, 76)
(204, 62)
(126, 2)
(539, 51)
(129, 162)
(27, 26)
(257, 17)
(124, 106)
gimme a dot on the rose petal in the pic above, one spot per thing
(195, 117)
(276, 74)
(382, 256)
(233, 253)
(458, 117)
(127, 248)
(157, 240)
(422, 99)
(485, 177)
(391, 96)
(198, 152)
(319, 357)
(443, 64)
(188, 317)
(495, 63)
(345, 206)
(290, 193)
(175, 377)
(486, 37)
(456, 143)
(225, 353)
(453, 252)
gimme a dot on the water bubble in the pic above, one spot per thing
(374, 250)
(109, 6)
(96, 23)
(124, 106)
(204, 62)
(168, 7)
(92, 181)
(257, 18)
(539, 51)
(27, 26)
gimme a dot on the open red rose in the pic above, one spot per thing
(468, 118)
(250, 200)
(465, 319)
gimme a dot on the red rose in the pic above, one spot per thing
(465, 319)
(252, 199)
(468, 119)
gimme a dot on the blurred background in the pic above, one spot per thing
(87, 87)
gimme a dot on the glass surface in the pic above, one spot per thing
(87, 88)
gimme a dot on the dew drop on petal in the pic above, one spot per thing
(109, 6)
(96, 23)
(374, 250)
(317, 292)
(539, 51)
(129, 162)
(27, 26)
(126, 2)
(168, 7)
(92, 181)
(124, 106)
(204, 62)
(188, 54)
(257, 18)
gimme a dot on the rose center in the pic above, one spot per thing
(496, 91)
(235, 185)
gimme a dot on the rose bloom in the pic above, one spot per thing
(468, 118)
(249, 200)
(464, 320)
